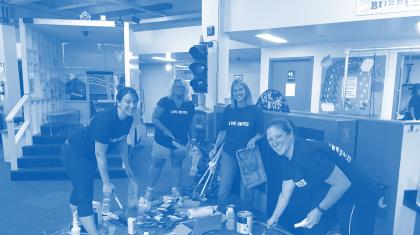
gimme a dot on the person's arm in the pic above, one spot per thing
(100, 152)
(286, 192)
(339, 185)
(219, 140)
(192, 134)
(123, 152)
(253, 140)
(158, 124)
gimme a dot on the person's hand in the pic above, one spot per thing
(251, 144)
(168, 133)
(272, 222)
(313, 218)
(212, 166)
(212, 153)
(108, 188)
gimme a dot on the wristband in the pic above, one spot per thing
(321, 209)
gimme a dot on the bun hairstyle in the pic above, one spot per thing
(126, 90)
(282, 124)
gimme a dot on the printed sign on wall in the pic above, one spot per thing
(371, 7)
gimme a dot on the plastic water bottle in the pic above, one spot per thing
(106, 203)
(230, 220)
(418, 195)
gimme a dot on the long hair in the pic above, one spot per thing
(248, 99)
(186, 88)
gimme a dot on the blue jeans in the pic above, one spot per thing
(229, 172)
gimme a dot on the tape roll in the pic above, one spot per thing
(199, 212)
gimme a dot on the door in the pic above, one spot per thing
(285, 72)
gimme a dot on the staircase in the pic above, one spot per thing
(42, 161)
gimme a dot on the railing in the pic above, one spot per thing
(12, 144)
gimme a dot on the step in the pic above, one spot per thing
(41, 149)
(58, 129)
(55, 173)
(46, 161)
(46, 139)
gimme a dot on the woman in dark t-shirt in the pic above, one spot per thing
(242, 125)
(86, 150)
(172, 118)
(321, 184)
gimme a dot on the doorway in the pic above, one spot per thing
(295, 74)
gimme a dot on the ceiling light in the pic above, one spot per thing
(271, 38)
(168, 67)
(164, 59)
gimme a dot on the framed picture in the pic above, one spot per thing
(238, 76)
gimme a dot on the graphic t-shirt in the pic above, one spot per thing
(312, 163)
(177, 120)
(105, 127)
(241, 124)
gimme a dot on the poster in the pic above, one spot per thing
(351, 87)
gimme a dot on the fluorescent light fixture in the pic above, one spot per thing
(181, 66)
(271, 38)
(167, 58)
(164, 59)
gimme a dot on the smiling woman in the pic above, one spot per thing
(331, 189)
(242, 125)
(87, 150)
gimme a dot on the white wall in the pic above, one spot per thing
(250, 70)
(155, 84)
(319, 51)
(164, 40)
(264, 14)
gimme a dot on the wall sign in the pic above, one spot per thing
(371, 7)
(290, 89)
(238, 77)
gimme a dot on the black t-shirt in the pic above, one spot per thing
(177, 120)
(241, 124)
(105, 127)
(313, 162)
(415, 103)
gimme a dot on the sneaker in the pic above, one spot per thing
(148, 193)
(176, 193)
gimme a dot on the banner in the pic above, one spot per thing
(371, 7)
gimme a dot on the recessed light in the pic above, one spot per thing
(168, 67)
(271, 38)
